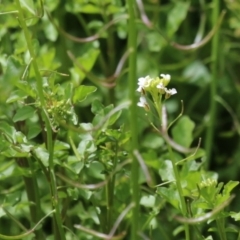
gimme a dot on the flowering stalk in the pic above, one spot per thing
(156, 87)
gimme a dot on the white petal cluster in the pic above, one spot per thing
(154, 86)
(166, 78)
(143, 83)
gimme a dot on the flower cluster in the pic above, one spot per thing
(156, 87)
(208, 183)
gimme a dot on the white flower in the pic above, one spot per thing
(161, 88)
(143, 103)
(166, 79)
(170, 92)
(143, 82)
(166, 76)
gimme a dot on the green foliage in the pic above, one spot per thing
(79, 159)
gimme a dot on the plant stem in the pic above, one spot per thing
(180, 192)
(214, 68)
(110, 192)
(50, 146)
(221, 230)
(132, 43)
(31, 188)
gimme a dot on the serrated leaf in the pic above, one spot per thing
(81, 93)
(23, 113)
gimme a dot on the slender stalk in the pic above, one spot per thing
(31, 187)
(214, 68)
(31, 51)
(221, 230)
(238, 235)
(50, 146)
(32, 195)
(180, 192)
(132, 43)
(110, 191)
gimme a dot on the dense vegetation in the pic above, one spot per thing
(119, 119)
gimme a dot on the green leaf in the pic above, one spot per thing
(24, 113)
(197, 74)
(189, 183)
(88, 8)
(155, 41)
(13, 71)
(50, 31)
(152, 141)
(9, 131)
(148, 201)
(28, 5)
(235, 215)
(176, 16)
(59, 145)
(51, 4)
(86, 61)
(96, 106)
(73, 164)
(33, 130)
(42, 154)
(166, 171)
(100, 117)
(182, 131)
(16, 95)
(171, 195)
(95, 170)
(229, 187)
(26, 87)
(81, 93)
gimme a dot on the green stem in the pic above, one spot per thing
(108, 210)
(221, 230)
(158, 105)
(132, 43)
(214, 69)
(50, 146)
(238, 235)
(31, 187)
(31, 51)
(180, 192)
